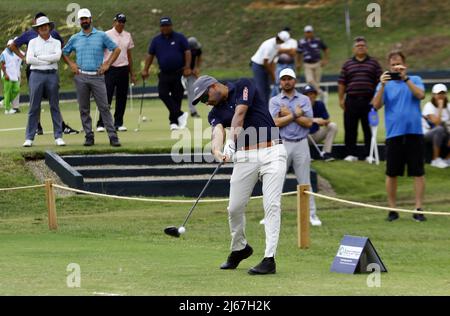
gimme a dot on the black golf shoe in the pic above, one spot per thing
(114, 141)
(419, 217)
(392, 216)
(266, 266)
(236, 257)
(89, 141)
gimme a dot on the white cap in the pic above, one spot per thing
(284, 36)
(84, 13)
(308, 28)
(287, 72)
(10, 42)
(439, 88)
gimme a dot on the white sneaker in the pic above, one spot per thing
(351, 158)
(182, 120)
(101, 129)
(28, 143)
(315, 221)
(12, 111)
(439, 163)
(60, 142)
(448, 161)
(122, 129)
(174, 127)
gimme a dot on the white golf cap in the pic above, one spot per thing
(84, 13)
(42, 21)
(308, 28)
(437, 88)
(284, 36)
(287, 72)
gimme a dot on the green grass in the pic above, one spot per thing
(231, 33)
(121, 248)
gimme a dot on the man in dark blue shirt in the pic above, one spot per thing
(24, 39)
(254, 145)
(174, 59)
(310, 48)
(322, 129)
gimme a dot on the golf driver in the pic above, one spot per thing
(321, 153)
(140, 110)
(177, 231)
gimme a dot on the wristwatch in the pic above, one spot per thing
(406, 79)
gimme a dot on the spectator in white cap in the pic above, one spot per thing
(263, 66)
(292, 113)
(309, 55)
(89, 68)
(436, 124)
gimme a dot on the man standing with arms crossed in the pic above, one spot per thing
(89, 45)
(404, 135)
(257, 152)
(292, 113)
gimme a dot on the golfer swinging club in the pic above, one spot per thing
(257, 152)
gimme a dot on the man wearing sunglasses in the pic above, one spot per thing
(254, 146)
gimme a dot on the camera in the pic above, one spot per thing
(395, 75)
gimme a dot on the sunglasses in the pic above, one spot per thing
(205, 96)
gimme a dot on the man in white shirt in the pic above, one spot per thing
(262, 63)
(43, 54)
(118, 75)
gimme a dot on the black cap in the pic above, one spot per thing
(39, 14)
(308, 88)
(165, 21)
(120, 17)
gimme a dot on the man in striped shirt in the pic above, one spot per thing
(357, 82)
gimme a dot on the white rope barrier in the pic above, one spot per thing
(154, 200)
(23, 188)
(374, 206)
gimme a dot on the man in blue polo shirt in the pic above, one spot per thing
(24, 39)
(404, 136)
(257, 152)
(89, 68)
(174, 59)
(292, 113)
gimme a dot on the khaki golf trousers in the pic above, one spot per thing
(269, 165)
(313, 75)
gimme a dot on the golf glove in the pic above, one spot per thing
(229, 149)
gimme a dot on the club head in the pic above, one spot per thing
(172, 231)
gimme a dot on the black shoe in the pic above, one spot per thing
(114, 142)
(69, 130)
(392, 216)
(39, 130)
(266, 266)
(236, 257)
(328, 157)
(89, 141)
(16, 110)
(419, 217)
(195, 115)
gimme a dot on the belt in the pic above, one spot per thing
(46, 71)
(263, 145)
(90, 73)
(294, 140)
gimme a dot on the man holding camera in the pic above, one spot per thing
(404, 136)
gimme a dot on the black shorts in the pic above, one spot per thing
(405, 150)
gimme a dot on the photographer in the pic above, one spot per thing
(404, 136)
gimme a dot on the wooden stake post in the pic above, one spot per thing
(303, 216)
(51, 205)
